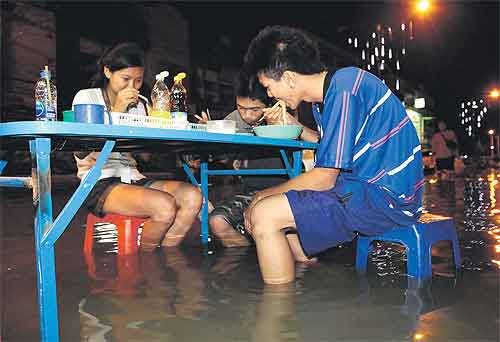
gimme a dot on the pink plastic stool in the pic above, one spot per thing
(126, 226)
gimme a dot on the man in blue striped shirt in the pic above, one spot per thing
(368, 175)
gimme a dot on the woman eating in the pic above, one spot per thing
(170, 206)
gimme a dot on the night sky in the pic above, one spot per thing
(455, 54)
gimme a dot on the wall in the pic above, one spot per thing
(29, 43)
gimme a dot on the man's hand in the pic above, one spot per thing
(204, 118)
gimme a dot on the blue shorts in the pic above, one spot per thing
(326, 219)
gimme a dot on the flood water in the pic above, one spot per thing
(185, 294)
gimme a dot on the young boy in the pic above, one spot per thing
(226, 220)
(368, 175)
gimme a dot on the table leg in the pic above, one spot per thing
(297, 163)
(3, 163)
(47, 233)
(45, 265)
(204, 209)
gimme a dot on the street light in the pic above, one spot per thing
(423, 6)
(494, 94)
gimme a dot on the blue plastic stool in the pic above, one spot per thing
(418, 240)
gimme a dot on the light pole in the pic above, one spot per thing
(493, 97)
(491, 134)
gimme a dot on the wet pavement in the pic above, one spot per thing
(182, 294)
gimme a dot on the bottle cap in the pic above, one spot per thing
(162, 75)
(180, 76)
(45, 74)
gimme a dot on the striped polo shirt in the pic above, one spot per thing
(365, 131)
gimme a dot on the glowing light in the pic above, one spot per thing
(397, 84)
(403, 51)
(423, 6)
(363, 55)
(496, 262)
(419, 337)
(433, 180)
(390, 53)
(356, 42)
(491, 132)
(403, 27)
(349, 40)
(495, 93)
(397, 65)
(374, 35)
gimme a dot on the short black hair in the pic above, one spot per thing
(277, 49)
(246, 85)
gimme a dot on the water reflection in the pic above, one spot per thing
(182, 295)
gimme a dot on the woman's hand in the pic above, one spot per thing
(124, 98)
(236, 164)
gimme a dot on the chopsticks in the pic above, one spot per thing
(283, 110)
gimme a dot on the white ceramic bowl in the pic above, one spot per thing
(221, 126)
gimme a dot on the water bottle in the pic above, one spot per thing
(160, 97)
(45, 98)
(178, 97)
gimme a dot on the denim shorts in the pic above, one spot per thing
(95, 200)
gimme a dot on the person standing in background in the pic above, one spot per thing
(444, 148)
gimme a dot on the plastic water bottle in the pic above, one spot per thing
(160, 97)
(45, 98)
(178, 97)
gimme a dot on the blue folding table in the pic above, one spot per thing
(44, 137)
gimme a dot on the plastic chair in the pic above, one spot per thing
(418, 240)
(126, 226)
